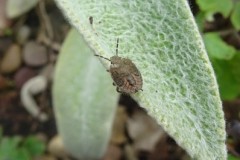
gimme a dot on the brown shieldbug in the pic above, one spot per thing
(124, 73)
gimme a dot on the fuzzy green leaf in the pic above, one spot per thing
(217, 48)
(84, 100)
(162, 39)
(235, 16)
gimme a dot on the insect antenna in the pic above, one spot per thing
(117, 47)
(102, 57)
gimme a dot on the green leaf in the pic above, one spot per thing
(235, 16)
(9, 148)
(21, 154)
(15, 154)
(215, 6)
(34, 146)
(84, 99)
(200, 20)
(8, 144)
(228, 76)
(217, 48)
(162, 39)
(231, 157)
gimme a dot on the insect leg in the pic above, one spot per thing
(118, 90)
(138, 90)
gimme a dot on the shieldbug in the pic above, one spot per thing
(124, 73)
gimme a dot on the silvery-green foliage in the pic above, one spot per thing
(162, 39)
(84, 102)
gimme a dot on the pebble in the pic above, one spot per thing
(23, 75)
(56, 147)
(23, 34)
(34, 54)
(11, 59)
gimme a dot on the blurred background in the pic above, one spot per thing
(31, 35)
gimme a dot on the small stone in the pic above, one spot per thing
(56, 147)
(23, 34)
(11, 60)
(35, 54)
(23, 75)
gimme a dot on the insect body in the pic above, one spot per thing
(124, 73)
